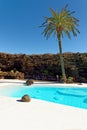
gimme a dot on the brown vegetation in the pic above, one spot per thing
(43, 67)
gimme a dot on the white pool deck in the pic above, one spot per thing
(38, 114)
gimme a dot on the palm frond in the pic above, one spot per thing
(60, 23)
(68, 34)
(54, 14)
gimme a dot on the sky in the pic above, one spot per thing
(20, 21)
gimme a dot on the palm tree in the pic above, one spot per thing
(60, 24)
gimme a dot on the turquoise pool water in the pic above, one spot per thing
(76, 97)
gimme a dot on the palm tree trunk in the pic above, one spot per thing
(61, 58)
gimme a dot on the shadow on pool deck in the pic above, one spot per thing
(19, 100)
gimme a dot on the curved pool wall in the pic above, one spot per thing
(71, 96)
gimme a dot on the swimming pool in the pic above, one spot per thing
(76, 97)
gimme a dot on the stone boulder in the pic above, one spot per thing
(26, 98)
(29, 82)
